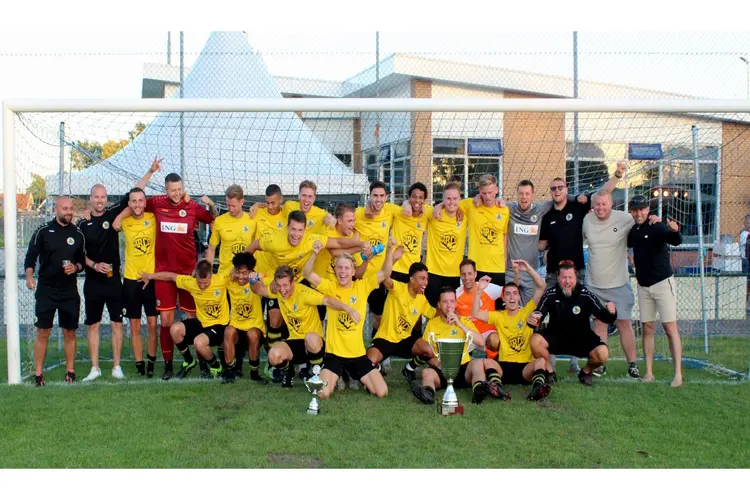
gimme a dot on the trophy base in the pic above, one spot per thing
(446, 410)
(313, 411)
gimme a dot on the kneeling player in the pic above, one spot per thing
(209, 291)
(245, 322)
(517, 364)
(345, 348)
(570, 306)
(482, 375)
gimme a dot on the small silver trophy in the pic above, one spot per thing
(314, 384)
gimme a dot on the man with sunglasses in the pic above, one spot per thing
(561, 234)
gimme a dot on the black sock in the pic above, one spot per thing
(315, 358)
(151, 362)
(239, 353)
(202, 364)
(416, 361)
(141, 367)
(274, 335)
(220, 355)
(213, 362)
(184, 349)
(168, 366)
(254, 365)
(283, 366)
(374, 332)
(631, 365)
(539, 378)
(475, 385)
(493, 376)
(429, 388)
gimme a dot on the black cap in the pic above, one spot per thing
(638, 201)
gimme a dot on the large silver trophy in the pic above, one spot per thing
(315, 384)
(449, 352)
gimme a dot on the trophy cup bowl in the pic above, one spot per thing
(315, 384)
(449, 352)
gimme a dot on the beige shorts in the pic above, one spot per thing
(660, 297)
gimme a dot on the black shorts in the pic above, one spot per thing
(322, 312)
(242, 343)
(356, 367)
(269, 304)
(136, 299)
(459, 382)
(97, 293)
(376, 300)
(578, 344)
(400, 349)
(435, 283)
(67, 304)
(497, 279)
(513, 373)
(400, 277)
(193, 328)
(299, 353)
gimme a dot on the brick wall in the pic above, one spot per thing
(735, 177)
(357, 146)
(421, 139)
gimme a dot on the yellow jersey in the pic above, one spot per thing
(280, 252)
(315, 217)
(300, 310)
(140, 237)
(514, 334)
(266, 224)
(234, 234)
(409, 231)
(443, 330)
(446, 242)
(344, 338)
(401, 312)
(211, 305)
(487, 229)
(246, 308)
(325, 264)
(376, 231)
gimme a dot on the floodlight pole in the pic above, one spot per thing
(701, 248)
(182, 125)
(169, 48)
(10, 231)
(381, 174)
(747, 68)
(575, 115)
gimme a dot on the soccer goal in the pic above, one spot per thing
(690, 158)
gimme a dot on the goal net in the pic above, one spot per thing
(342, 150)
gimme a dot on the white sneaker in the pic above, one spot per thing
(94, 374)
(355, 385)
(340, 384)
(386, 366)
(117, 373)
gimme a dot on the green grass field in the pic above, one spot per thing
(194, 423)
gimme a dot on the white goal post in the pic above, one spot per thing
(537, 105)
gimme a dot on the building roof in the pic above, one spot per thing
(24, 201)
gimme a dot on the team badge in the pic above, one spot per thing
(246, 291)
(245, 229)
(414, 311)
(310, 223)
(454, 332)
(270, 302)
(353, 299)
(383, 224)
(217, 293)
(569, 217)
(419, 225)
(576, 310)
(158, 302)
(279, 225)
(520, 324)
(183, 213)
(105, 224)
(614, 229)
(70, 241)
(124, 311)
(499, 216)
(458, 225)
(146, 223)
(533, 218)
(294, 307)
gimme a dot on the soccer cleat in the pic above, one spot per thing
(600, 371)
(385, 365)
(140, 367)
(539, 391)
(39, 380)
(70, 377)
(421, 393)
(633, 371)
(551, 377)
(287, 380)
(255, 377)
(479, 393)
(168, 374)
(497, 391)
(238, 370)
(304, 373)
(409, 375)
(94, 374)
(340, 384)
(228, 377)
(186, 368)
(215, 372)
(354, 384)
(585, 378)
(277, 376)
(117, 373)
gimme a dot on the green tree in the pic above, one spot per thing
(81, 160)
(139, 127)
(111, 147)
(37, 189)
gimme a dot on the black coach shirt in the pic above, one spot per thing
(571, 314)
(650, 251)
(563, 231)
(53, 243)
(102, 241)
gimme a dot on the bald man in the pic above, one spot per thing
(59, 246)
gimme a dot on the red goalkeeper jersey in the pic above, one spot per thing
(175, 244)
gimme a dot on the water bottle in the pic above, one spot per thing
(258, 277)
(375, 250)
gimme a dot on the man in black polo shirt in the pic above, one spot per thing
(656, 283)
(59, 246)
(103, 285)
(561, 233)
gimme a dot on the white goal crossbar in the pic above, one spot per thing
(538, 105)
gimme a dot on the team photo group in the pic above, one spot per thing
(299, 282)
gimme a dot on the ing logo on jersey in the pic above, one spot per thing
(244, 310)
(488, 233)
(142, 243)
(517, 343)
(105, 224)
(294, 323)
(410, 242)
(345, 320)
(70, 241)
(448, 241)
(212, 309)
(403, 324)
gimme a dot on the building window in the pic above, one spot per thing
(394, 168)
(464, 161)
(346, 159)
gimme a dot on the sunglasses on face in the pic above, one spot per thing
(566, 263)
(556, 188)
